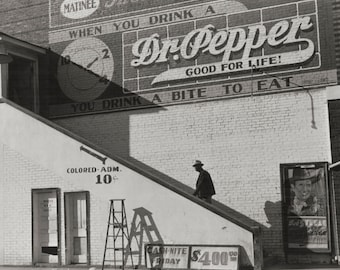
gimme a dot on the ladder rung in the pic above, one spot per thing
(133, 252)
(118, 225)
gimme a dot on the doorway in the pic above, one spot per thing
(45, 226)
(76, 227)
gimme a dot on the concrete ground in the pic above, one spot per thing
(299, 267)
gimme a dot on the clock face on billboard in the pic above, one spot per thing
(85, 69)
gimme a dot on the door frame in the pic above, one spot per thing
(87, 198)
(44, 190)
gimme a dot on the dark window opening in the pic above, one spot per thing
(50, 250)
(21, 82)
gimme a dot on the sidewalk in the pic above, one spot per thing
(81, 267)
(303, 266)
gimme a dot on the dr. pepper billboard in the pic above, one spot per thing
(124, 54)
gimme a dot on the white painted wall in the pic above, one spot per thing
(38, 156)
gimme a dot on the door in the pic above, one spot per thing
(76, 227)
(45, 226)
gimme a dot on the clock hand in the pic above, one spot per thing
(90, 64)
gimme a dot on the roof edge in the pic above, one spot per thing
(21, 43)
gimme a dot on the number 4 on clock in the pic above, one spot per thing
(65, 60)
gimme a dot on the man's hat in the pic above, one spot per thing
(300, 174)
(198, 163)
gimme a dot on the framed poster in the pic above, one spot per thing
(306, 207)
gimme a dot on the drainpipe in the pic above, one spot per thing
(334, 167)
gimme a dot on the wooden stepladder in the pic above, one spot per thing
(117, 240)
(143, 231)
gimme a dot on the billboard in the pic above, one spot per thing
(184, 53)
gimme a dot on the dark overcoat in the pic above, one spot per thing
(204, 185)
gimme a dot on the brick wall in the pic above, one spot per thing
(241, 141)
(26, 19)
(21, 175)
(17, 198)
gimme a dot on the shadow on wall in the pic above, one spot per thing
(143, 230)
(78, 96)
(81, 99)
(296, 235)
(273, 211)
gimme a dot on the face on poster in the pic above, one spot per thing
(307, 191)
